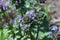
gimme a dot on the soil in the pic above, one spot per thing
(55, 10)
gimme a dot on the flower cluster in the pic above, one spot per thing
(25, 23)
(20, 19)
(31, 14)
(5, 24)
(4, 6)
(54, 28)
(17, 2)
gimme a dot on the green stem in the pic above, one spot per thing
(2, 35)
(37, 32)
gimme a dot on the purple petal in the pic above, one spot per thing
(2, 0)
(16, 2)
(4, 8)
(33, 18)
(20, 18)
(31, 12)
(7, 3)
(54, 28)
(25, 26)
(59, 30)
(1, 3)
(49, 33)
(5, 24)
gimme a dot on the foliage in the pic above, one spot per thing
(24, 20)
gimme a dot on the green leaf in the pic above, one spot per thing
(47, 9)
(5, 32)
(42, 35)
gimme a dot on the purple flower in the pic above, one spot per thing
(2, 0)
(1, 3)
(20, 19)
(33, 18)
(25, 26)
(31, 14)
(59, 30)
(54, 28)
(4, 8)
(5, 24)
(49, 33)
(17, 2)
(7, 3)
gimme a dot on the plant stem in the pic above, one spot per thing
(37, 32)
(30, 33)
(55, 36)
(2, 35)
